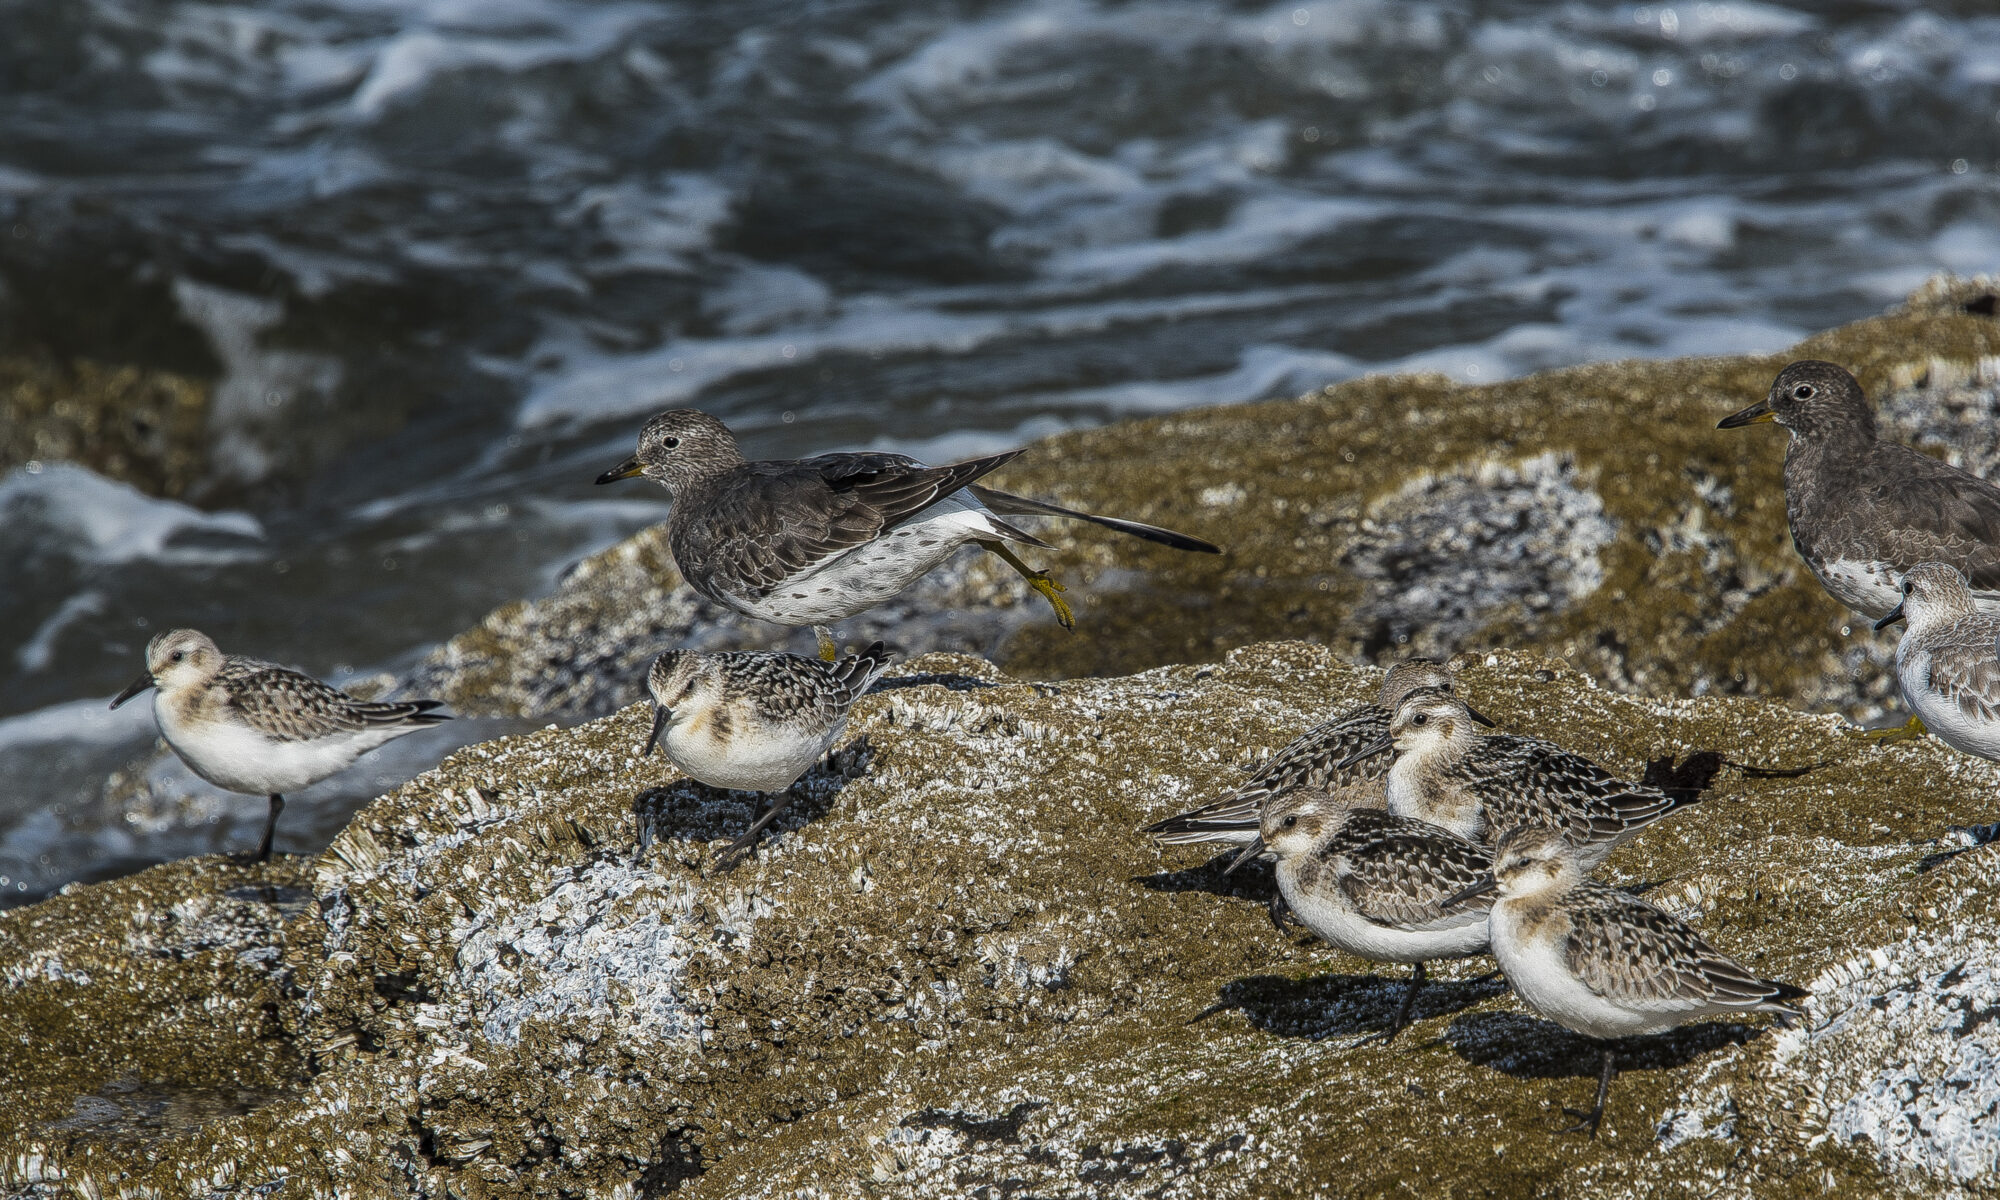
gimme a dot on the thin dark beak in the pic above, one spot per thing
(624, 470)
(145, 681)
(1365, 753)
(1756, 414)
(1480, 717)
(661, 715)
(1895, 615)
(1250, 851)
(1474, 892)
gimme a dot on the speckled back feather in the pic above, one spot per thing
(288, 706)
(1626, 950)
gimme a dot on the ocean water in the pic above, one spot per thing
(442, 257)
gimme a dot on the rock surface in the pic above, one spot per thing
(958, 972)
(1595, 514)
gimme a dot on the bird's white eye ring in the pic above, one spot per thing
(672, 442)
(1803, 392)
(1423, 719)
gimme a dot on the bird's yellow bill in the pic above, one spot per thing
(1757, 414)
(624, 470)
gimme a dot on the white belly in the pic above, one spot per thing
(1539, 973)
(1336, 921)
(868, 575)
(1869, 588)
(1940, 715)
(751, 759)
(233, 756)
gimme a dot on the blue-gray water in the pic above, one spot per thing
(443, 256)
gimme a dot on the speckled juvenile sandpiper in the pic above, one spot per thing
(1863, 511)
(1312, 760)
(813, 540)
(258, 728)
(755, 721)
(1949, 659)
(1480, 787)
(1375, 885)
(1602, 962)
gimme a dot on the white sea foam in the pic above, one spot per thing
(86, 517)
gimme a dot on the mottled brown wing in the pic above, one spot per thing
(1399, 871)
(771, 521)
(284, 704)
(1626, 950)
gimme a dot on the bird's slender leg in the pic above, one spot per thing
(1280, 912)
(828, 650)
(735, 851)
(1912, 728)
(1039, 580)
(270, 828)
(1590, 1120)
(1402, 1018)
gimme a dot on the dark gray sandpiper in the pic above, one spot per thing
(1864, 511)
(811, 541)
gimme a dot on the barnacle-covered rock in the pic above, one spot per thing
(957, 971)
(1594, 513)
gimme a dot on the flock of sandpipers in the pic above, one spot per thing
(1457, 843)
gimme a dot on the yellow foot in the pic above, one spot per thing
(1913, 728)
(1040, 581)
(828, 651)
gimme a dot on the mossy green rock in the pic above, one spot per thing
(1594, 514)
(143, 426)
(956, 970)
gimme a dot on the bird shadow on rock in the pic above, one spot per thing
(687, 810)
(1256, 880)
(1528, 1047)
(1327, 1006)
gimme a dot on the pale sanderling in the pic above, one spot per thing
(1949, 659)
(1374, 884)
(1480, 787)
(1312, 760)
(753, 721)
(258, 728)
(1602, 962)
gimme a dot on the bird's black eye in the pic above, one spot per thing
(1421, 719)
(672, 442)
(176, 656)
(1803, 392)
(1290, 822)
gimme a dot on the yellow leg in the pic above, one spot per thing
(1913, 728)
(828, 651)
(1038, 580)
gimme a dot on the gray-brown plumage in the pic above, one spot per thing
(1602, 962)
(1312, 760)
(1949, 659)
(1864, 511)
(810, 541)
(258, 728)
(1480, 787)
(1374, 884)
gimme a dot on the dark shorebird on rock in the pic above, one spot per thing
(1864, 511)
(811, 541)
